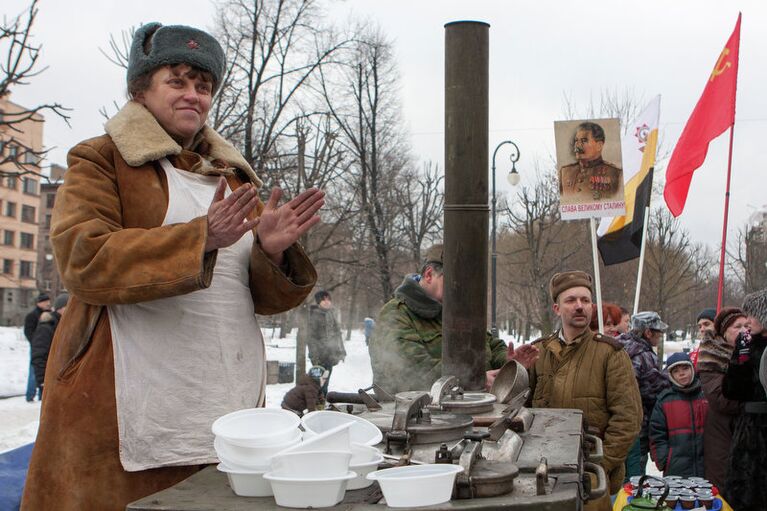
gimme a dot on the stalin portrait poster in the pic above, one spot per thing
(589, 168)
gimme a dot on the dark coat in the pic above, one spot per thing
(652, 381)
(31, 321)
(326, 346)
(713, 359)
(303, 396)
(676, 430)
(41, 343)
(747, 470)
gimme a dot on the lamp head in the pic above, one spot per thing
(513, 176)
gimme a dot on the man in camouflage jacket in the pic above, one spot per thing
(406, 347)
(645, 334)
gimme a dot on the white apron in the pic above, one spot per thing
(182, 362)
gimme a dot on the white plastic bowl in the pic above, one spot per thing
(362, 431)
(247, 483)
(257, 427)
(365, 459)
(302, 493)
(416, 485)
(249, 458)
(334, 439)
(311, 464)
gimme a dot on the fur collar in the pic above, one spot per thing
(140, 139)
(417, 300)
(714, 354)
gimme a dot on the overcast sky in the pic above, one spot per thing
(539, 52)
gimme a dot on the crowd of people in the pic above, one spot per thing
(169, 253)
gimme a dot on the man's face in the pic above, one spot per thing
(44, 305)
(653, 336)
(325, 303)
(573, 306)
(682, 374)
(623, 326)
(433, 283)
(585, 147)
(703, 325)
(755, 325)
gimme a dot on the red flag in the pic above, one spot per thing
(714, 113)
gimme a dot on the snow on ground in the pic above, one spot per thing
(19, 420)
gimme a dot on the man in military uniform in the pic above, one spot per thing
(590, 178)
(406, 347)
(578, 368)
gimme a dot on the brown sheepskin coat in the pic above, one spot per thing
(111, 249)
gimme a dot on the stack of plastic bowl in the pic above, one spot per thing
(362, 431)
(416, 485)
(314, 479)
(365, 459)
(245, 442)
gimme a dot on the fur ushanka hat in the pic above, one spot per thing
(175, 44)
(755, 305)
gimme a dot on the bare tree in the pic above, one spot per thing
(747, 259)
(421, 197)
(362, 99)
(538, 245)
(19, 63)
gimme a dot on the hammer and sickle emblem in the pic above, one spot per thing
(720, 66)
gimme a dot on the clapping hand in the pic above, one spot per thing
(281, 226)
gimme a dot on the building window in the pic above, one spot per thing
(7, 266)
(11, 182)
(27, 240)
(10, 209)
(30, 157)
(25, 270)
(48, 221)
(30, 186)
(50, 199)
(13, 151)
(28, 214)
(2, 147)
(8, 238)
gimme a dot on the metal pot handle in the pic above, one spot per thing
(601, 488)
(598, 453)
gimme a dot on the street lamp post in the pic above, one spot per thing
(513, 179)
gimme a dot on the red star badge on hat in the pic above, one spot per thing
(193, 44)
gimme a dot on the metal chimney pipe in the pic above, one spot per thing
(464, 312)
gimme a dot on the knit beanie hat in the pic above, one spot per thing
(678, 359)
(61, 301)
(727, 317)
(709, 314)
(42, 297)
(755, 305)
(321, 295)
(175, 44)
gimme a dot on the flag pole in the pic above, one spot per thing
(720, 291)
(596, 273)
(641, 258)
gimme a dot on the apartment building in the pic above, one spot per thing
(19, 210)
(47, 272)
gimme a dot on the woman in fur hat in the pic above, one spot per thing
(713, 359)
(168, 253)
(747, 471)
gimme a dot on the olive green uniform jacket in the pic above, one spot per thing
(406, 348)
(593, 374)
(110, 248)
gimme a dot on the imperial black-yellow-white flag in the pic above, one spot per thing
(620, 238)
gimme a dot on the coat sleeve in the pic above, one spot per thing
(659, 445)
(30, 323)
(103, 263)
(276, 289)
(496, 352)
(712, 388)
(624, 407)
(651, 380)
(738, 383)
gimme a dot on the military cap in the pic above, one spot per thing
(567, 279)
(434, 255)
(175, 44)
(647, 319)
